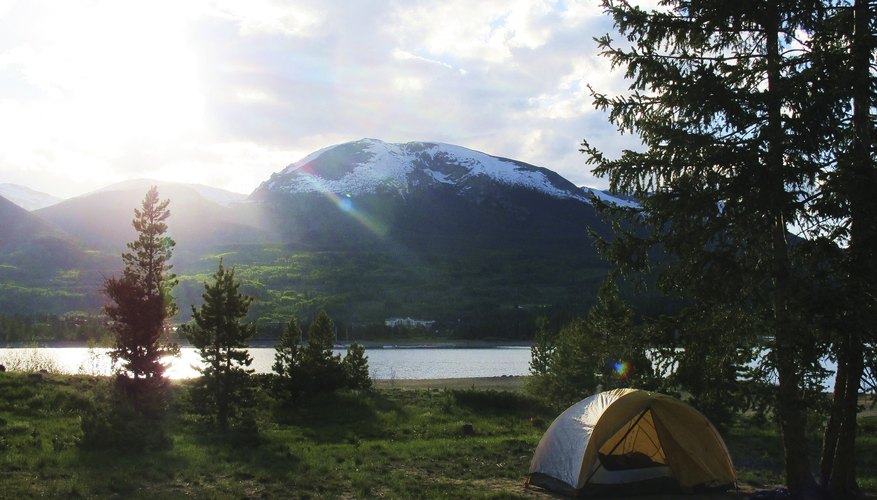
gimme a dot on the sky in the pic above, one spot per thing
(225, 93)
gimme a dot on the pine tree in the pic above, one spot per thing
(724, 102)
(287, 352)
(572, 372)
(321, 367)
(355, 368)
(845, 45)
(141, 297)
(616, 339)
(221, 338)
(314, 368)
(287, 362)
(544, 343)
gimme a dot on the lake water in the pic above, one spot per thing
(384, 364)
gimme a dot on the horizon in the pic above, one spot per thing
(159, 182)
(229, 94)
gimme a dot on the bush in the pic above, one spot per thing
(491, 401)
(117, 425)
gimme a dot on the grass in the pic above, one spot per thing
(392, 442)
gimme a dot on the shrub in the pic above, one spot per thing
(115, 423)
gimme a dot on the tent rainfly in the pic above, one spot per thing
(627, 441)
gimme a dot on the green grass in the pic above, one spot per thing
(392, 443)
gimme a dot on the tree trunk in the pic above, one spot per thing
(790, 400)
(842, 482)
(860, 183)
(832, 429)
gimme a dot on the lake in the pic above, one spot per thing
(384, 363)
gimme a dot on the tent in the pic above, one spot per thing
(627, 441)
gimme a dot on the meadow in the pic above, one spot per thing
(428, 439)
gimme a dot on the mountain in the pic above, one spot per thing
(201, 216)
(366, 230)
(212, 194)
(26, 197)
(21, 228)
(42, 269)
(369, 192)
(370, 166)
(609, 198)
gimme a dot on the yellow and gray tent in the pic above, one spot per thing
(626, 441)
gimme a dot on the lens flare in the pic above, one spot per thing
(622, 369)
(344, 203)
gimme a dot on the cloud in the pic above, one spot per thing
(256, 17)
(227, 92)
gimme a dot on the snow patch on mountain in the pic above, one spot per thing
(378, 165)
(26, 197)
(610, 199)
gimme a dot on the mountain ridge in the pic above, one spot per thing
(101, 219)
(26, 197)
(370, 165)
(368, 230)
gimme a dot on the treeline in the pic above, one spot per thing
(74, 327)
(465, 293)
(513, 325)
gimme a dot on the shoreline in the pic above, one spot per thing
(270, 343)
(512, 383)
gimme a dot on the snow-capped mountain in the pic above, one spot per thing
(369, 192)
(26, 197)
(608, 198)
(370, 166)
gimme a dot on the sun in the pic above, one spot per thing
(120, 73)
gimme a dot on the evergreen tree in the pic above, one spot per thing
(724, 99)
(355, 367)
(314, 368)
(601, 352)
(320, 366)
(573, 370)
(542, 349)
(141, 298)
(845, 46)
(221, 338)
(621, 350)
(287, 362)
(287, 352)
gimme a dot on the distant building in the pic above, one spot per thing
(411, 323)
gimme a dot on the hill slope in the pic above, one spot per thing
(42, 269)
(102, 220)
(26, 197)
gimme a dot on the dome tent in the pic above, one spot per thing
(627, 441)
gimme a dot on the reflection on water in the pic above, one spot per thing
(383, 363)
